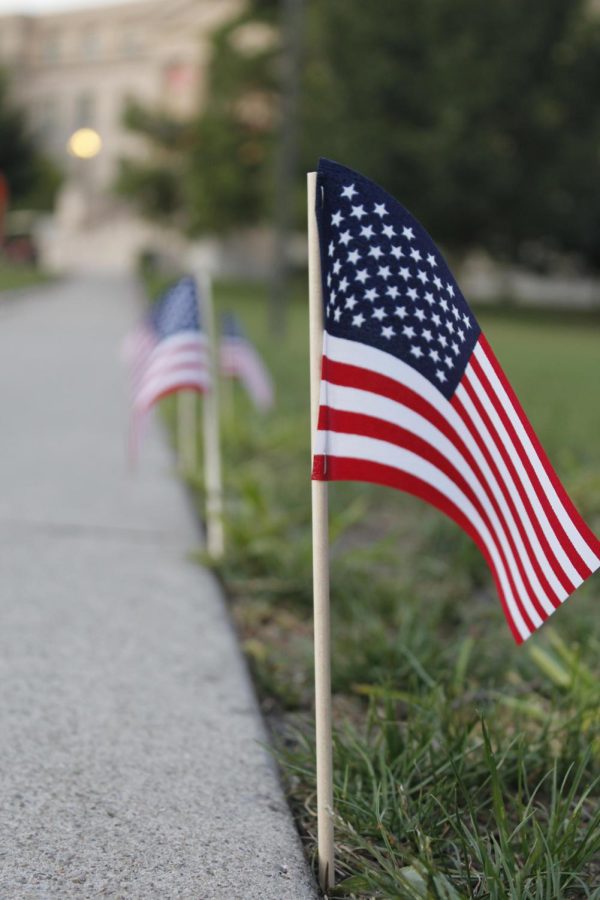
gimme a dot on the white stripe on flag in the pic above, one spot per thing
(371, 404)
(371, 359)
(583, 549)
(511, 489)
(357, 447)
(156, 387)
(559, 553)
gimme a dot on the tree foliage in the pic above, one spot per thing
(481, 118)
(31, 177)
(158, 186)
(212, 174)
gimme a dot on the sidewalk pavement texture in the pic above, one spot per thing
(132, 752)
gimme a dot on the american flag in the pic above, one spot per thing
(168, 352)
(413, 397)
(239, 359)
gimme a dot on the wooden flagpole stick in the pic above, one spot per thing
(229, 407)
(187, 442)
(215, 539)
(320, 544)
(228, 402)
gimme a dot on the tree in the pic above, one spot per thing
(31, 177)
(212, 174)
(157, 187)
(481, 118)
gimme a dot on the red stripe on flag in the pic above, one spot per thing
(174, 389)
(579, 523)
(174, 364)
(357, 423)
(559, 532)
(533, 519)
(342, 469)
(354, 376)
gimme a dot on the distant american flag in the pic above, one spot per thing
(168, 352)
(239, 359)
(413, 397)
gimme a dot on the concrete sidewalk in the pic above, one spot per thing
(131, 747)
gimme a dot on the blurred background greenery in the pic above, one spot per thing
(481, 118)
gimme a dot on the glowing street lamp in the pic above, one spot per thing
(85, 143)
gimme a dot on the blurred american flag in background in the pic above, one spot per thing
(167, 352)
(240, 359)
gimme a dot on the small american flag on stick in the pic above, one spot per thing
(240, 359)
(168, 352)
(413, 397)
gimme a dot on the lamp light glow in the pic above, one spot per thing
(85, 143)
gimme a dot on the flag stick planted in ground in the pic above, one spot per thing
(187, 432)
(215, 538)
(320, 543)
(406, 392)
(227, 400)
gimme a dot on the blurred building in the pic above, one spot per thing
(77, 69)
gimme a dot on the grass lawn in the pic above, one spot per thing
(464, 766)
(13, 277)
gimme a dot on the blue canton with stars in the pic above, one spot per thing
(385, 283)
(177, 310)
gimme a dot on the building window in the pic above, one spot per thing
(131, 42)
(51, 47)
(90, 43)
(84, 111)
